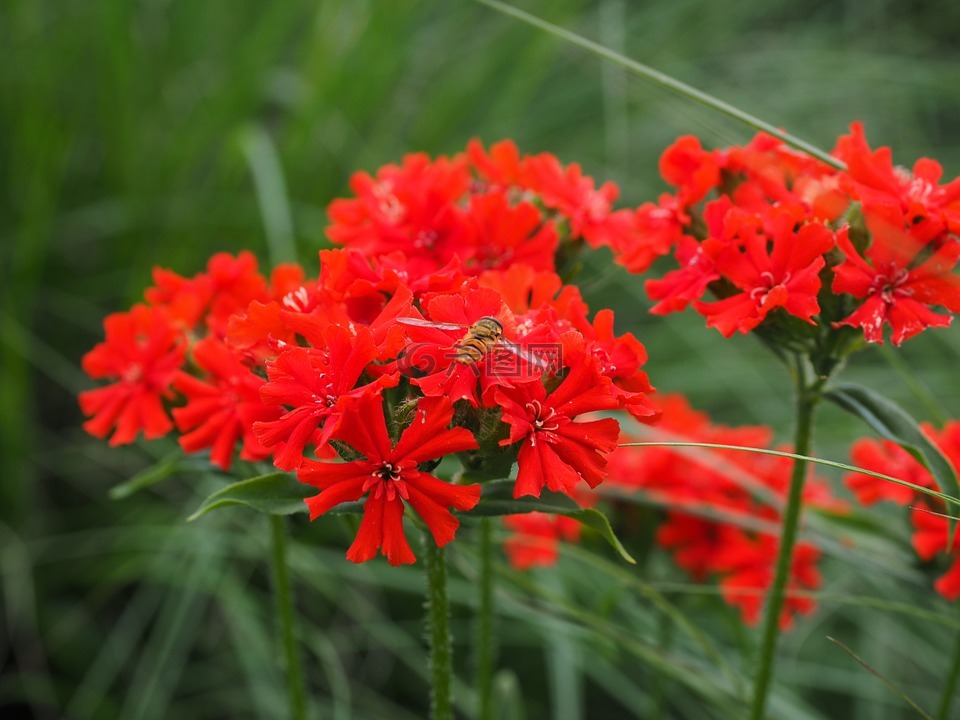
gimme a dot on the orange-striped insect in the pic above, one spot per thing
(480, 339)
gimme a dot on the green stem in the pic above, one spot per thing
(485, 637)
(438, 632)
(950, 686)
(808, 396)
(285, 615)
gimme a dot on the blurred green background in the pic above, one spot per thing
(157, 132)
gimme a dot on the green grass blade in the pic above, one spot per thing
(671, 83)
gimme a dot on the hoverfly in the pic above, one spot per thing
(480, 339)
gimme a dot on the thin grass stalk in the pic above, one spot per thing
(664, 80)
(283, 592)
(807, 398)
(438, 632)
(485, 637)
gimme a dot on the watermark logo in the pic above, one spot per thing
(510, 362)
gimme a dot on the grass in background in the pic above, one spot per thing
(135, 134)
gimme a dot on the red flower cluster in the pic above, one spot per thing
(756, 226)
(724, 506)
(443, 309)
(480, 210)
(931, 530)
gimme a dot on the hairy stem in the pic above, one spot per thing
(485, 638)
(808, 396)
(438, 632)
(283, 592)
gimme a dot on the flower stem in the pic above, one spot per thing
(285, 615)
(485, 638)
(438, 632)
(808, 396)
(950, 685)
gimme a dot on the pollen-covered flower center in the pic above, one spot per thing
(544, 420)
(297, 300)
(387, 478)
(889, 283)
(597, 207)
(388, 472)
(134, 373)
(426, 239)
(769, 283)
(327, 396)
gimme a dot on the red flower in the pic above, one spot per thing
(143, 351)
(221, 408)
(315, 383)
(678, 288)
(657, 228)
(411, 208)
(900, 282)
(500, 167)
(687, 166)
(229, 285)
(436, 348)
(785, 276)
(917, 194)
(558, 452)
(521, 287)
(509, 234)
(573, 195)
(389, 474)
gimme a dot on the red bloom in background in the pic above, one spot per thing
(900, 282)
(748, 569)
(931, 533)
(535, 538)
(884, 456)
(557, 452)
(389, 475)
(315, 384)
(142, 351)
(222, 407)
(228, 286)
(695, 542)
(719, 502)
(930, 526)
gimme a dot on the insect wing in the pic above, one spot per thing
(421, 322)
(523, 354)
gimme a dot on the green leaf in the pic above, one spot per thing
(146, 478)
(555, 504)
(890, 421)
(276, 493)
